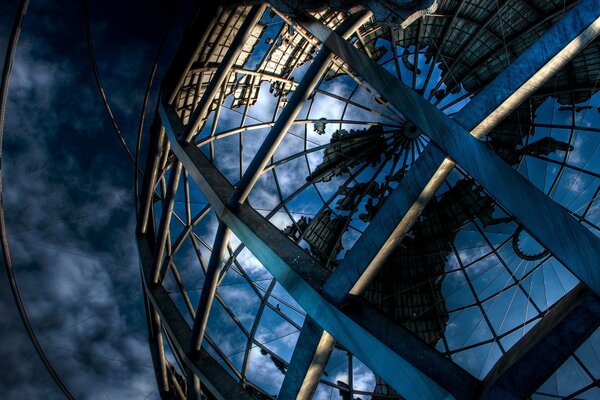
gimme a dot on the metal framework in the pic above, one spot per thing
(335, 203)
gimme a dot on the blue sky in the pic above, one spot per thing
(69, 200)
(68, 196)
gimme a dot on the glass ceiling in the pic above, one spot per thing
(468, 279)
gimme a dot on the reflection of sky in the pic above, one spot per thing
(493, 297)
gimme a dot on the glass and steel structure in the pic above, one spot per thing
(377, 202)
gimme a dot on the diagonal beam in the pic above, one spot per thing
(309, 81)
(412, 367)
(361, 264)
(224, 70)
(310, 357)
(196, 120)
(531, 362)
(165, 221)
(214, 377)
(548, 222)
(405, 204)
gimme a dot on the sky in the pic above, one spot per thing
(68, 196)
(69, 207)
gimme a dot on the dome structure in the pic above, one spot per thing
(353, 200)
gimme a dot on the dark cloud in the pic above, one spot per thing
(69, 200)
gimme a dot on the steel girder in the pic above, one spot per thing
(409, 365)
(479, 116)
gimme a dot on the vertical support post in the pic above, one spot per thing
(157, 136)
(209, 287)
(165, 221)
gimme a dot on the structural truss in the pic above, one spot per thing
(338, 204)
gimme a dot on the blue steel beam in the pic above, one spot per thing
(551, 224)
(412, 367)
(405, 204)
(531, 362)
(311, 354)
(361, 263)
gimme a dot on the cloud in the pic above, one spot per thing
(68, 199)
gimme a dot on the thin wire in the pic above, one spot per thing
(88, 34)
(259, 344)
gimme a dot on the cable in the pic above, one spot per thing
(88, 35)
(138, 146)
(6, 73)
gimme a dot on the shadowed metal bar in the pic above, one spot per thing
(217, 381)
(310, 79)
(314, 73)
(531, 362)
(406, 203)
(548, 222)
(157, 136)
(193, 386)
(409, 365)
(165, 221)
(224, 69)
(311, 354)
(157, 350)
(209, 287)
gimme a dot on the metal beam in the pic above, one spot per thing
(157, 350)
(406, 203)
(209, 287)
(412, 367)
(224, 69)
(313, 75)
(530, 362)
(547, 221)
(264, 154)
(312, 351)
(165, 221)
(363, 261)
(217, 381)
(157, 136)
